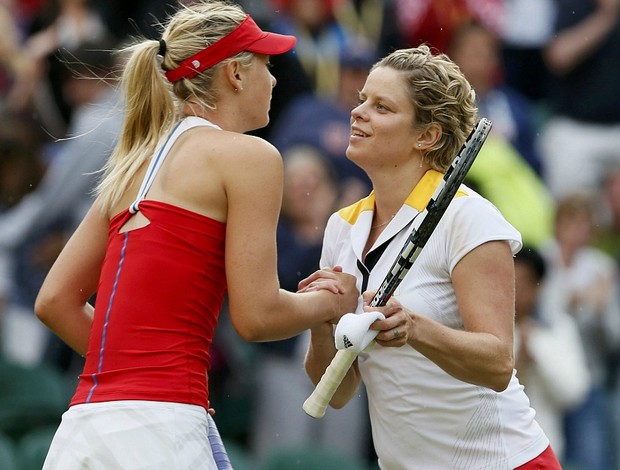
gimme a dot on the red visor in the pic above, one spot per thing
(245, 37)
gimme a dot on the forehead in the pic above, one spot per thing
(389, 86)
(387, 81)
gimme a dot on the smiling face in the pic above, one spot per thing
(382, 131)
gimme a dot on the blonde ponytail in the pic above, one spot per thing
(152, 103)
(149, 113)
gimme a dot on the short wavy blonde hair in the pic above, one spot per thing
(440, 94)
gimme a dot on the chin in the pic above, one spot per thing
(259, 124)
(351, 154)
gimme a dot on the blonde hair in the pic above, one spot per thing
(439, 93)
(153, 104)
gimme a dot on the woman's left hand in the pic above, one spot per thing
(397, 328)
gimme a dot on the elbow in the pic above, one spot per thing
(503, 375)
(249, 335)
(244, 324)
(251, 332)
(44, 307)
(255, 324)
(501, 384)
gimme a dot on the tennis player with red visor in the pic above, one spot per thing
(186, 210)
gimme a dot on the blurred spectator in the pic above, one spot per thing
(12, 60)
(136, 17)
(608, 232)
(373, 20)
(312, 67)
(33, 231)
(325, 123)
(310, 194)
(608, 239)
(63, 24)
(582, 136)
(507, 169)
(26, 11)
(21, 170)
(477, 51)
(549, 355)
(583, 281)
(21, 167)
(65, 190)
(320, 40)
(501, 175)
(262, 11)
(527, 29)
(434, 21)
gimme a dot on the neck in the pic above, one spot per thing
(392, 190)
(222, 118)
(378, 224)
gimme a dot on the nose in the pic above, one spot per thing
(273, 81)
(358, 112)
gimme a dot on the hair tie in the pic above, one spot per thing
(162, 48)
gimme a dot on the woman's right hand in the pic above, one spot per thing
(339, 283)
(323, 279)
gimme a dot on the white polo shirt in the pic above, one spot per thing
(423, 418)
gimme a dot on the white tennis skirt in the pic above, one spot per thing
(132, 435)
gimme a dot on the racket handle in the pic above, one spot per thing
(316, 404)
(217, 446)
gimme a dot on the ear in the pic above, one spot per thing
(232, 74)
(429, 136)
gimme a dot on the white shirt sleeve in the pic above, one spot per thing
(473, 221)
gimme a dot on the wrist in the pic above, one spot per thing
(322, 332)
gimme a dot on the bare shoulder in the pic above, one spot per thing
(247, 147)
(230, 152)
(218, 142)
(242, 154)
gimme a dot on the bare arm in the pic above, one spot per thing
(482, 353)
(571, 46)
(62, 302)
(260, 310)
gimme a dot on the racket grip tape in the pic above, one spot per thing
(316, 404)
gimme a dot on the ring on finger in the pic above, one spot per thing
(396, 334)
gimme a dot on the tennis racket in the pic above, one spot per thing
(217, 446)
(316, 404)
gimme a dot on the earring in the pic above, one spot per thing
(419, 144)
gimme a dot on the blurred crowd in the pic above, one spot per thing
(546, 73)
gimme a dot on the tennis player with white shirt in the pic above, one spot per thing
(440, 377)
